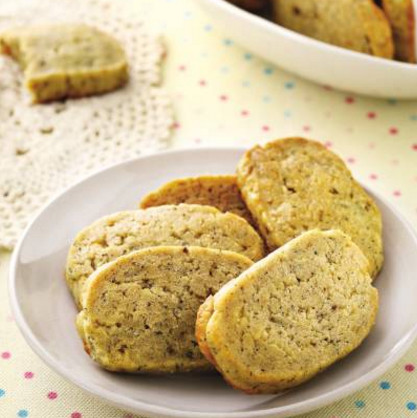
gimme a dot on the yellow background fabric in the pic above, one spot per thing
(227, 96)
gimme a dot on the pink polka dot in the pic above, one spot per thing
(396, 193)
(306, 128)
(244, 113)
(328, 115)
(349, 100)
(9, 318)
(176, 125)
(28, 375)
(395, 161)
(52, 395)
(371, 115)
(409, 367)
(223, 98)
(373, 177)
(5, 355)
(202, 83)
(197, 140)
(327, 87)
(328, 144)
(371, 145)
(265, 128)
(349, 130)
(351, 160)
(393, 130)
(182, 68)
(414, 147)
(76, 415)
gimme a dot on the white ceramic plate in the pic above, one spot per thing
(45, 311)
(317, 61)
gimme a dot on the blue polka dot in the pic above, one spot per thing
(224, 70)
(248, 56)
(208, 28)
(413, 117)
(23, 413)
(289, 85)
(385, 385)
(2, 392)
(266, 99)
(411, 406)
(268, 71)
(287, 113)
(359, 404)
(392, 101)
(228, 42)
(245, 83)
(188, 14)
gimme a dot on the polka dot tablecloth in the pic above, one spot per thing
(227, 96)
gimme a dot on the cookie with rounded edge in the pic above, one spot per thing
(123, 232)
(402, 17)
(220, 191)
(359, 25)
(291, 315)
(293, 185)
(139, 310)
(66, 60)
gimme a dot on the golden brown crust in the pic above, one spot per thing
(220, 191)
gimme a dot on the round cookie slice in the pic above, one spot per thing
(402, 16)
(124, 232)
(139, 310)
(290, 315)
(220, 191)
(293, 185)
(359, 25)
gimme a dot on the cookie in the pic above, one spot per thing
(251, 5)
(401, 15)
(359, 25)
(139, 311)
(66, 60)
(219, 191)
(294, 185)
(290, 315)
(123, 232)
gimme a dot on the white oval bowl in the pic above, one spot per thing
(45, 312)
(314, 60)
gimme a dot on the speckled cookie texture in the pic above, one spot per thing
(291, 315)
(402, 17)
(359, 25)
(220, 191)
(139, 312)
(123, 232)
(68, 60)
(293, 185)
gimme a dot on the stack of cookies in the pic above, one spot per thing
(265, 276)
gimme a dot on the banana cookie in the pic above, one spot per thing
(219, 191)
(293, 185)
(66, 61)
(359, 25)
(139, 310)
(290, 315)
(123, 232)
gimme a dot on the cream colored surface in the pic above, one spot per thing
(226, 96)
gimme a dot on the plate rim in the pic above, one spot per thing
(124, 402)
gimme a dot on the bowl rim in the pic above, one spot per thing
(305, 40)
(126, 403)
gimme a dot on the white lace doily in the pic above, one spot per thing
(44, 148)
